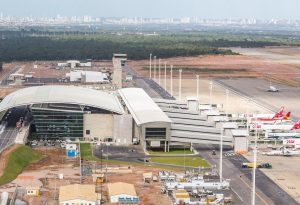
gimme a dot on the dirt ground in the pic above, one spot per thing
(279, 64)
(149, 193)
(46, 173)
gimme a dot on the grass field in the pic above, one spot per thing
(17, 160)
(189, 161)
(172, 151)
(86, 152)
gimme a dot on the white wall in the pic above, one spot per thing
(115, 198)
(77, 201)
(100, 126)
(123, 129)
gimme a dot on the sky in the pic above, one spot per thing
(212, 9)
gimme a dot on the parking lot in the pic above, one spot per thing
(131, 153)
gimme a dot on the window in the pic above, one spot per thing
(88, 132)
(155, 133)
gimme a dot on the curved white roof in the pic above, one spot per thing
(142, 108)
(62, 94)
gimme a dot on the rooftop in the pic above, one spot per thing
(77, 191)
(142, 108)
(121, 188)
(62, 94)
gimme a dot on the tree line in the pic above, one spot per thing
(102, 46)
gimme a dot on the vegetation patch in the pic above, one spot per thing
(182, 161)
(172, 151)
(17, 161)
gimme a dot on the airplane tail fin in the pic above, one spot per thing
(287, 116)
(296, 126)
(279, 113)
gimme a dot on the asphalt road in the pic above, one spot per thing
(150, 86)
(8, 131)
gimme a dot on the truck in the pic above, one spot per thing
(258, 165)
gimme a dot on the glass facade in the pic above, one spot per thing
(52, 124)
(156, 133)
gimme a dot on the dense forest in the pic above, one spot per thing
(101, 46)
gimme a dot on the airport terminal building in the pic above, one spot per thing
(126, 116)
(72, 112)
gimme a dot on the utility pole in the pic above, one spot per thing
(150, 65)
(159, 71)
(171, 81)
(197, 84)
(165, 76)
(154, 68)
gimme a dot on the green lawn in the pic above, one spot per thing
(189, 161)
(86, 152)
(173, 151)
(17, 160)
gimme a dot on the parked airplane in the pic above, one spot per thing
(259, 117)
(283, 152)
(277, 126)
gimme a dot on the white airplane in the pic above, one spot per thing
(273, 89)
(283, 152)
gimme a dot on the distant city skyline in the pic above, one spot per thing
(209, 9)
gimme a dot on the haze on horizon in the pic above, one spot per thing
(210, 9)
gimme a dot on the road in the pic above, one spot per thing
(4, 81)
(8, 131)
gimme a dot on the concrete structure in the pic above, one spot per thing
(74, 64)
(78, 194)
(117, 77)
(240, 142)
(87, 77)
(122, 193)
(151, 125)
(119, 60)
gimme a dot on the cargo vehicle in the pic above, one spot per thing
(258, 165)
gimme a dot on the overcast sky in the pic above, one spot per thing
(215, 9)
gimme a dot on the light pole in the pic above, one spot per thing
(247, 113)
(154, 68)
(150, 68)
(171, 81)
(159, 71)
(197, 84)
(254, 166)
(227, 99)
(221, 154)
(165, 76)
(210, 92)
(180, 71)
